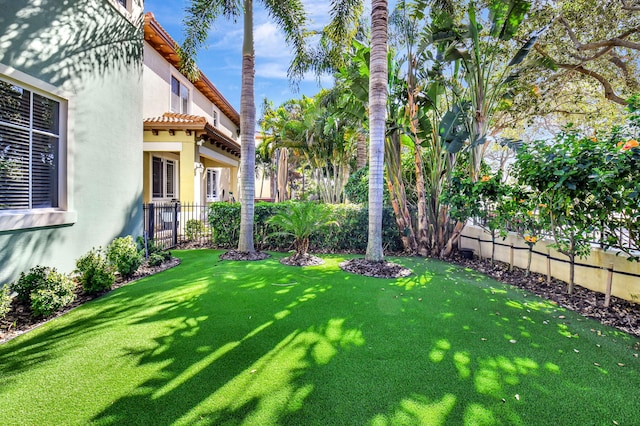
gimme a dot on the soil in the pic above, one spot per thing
(375, 269)
(19, 319)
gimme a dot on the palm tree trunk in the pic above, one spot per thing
(247, 127)
(377, 113)
(361, 150)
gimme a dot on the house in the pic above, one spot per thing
(70, 129)
(191, 132)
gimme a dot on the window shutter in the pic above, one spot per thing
(171, 193)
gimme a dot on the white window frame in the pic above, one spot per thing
(183, 102)
(212, 196)
(165, 161)
(63, 214)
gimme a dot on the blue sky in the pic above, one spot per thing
(221, 59)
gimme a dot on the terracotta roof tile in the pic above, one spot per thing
(175, 118)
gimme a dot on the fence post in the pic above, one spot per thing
(607, 294)
(548, 265)
(152, 221)
(511, 258)
(175, 223)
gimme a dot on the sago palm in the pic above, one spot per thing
(301, 220)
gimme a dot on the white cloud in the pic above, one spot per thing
(270, 69)
(269, 42)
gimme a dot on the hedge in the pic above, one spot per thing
(349, 236)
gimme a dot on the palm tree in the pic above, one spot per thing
(377, 114)
(289, 15)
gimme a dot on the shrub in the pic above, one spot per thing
(156, 259)
(350, 236)
(300, 221)
(357, 187)
(5, 301)
(194, 229)
(154, 250)
(95, 274)
(123, 254)
(29, 282)
(53, 296)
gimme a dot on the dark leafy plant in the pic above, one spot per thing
(94, 272)
(45, 290)
(55, 294)
(123, 254)
(30, 281)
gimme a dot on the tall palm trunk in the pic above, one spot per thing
(377, 113)
(247, 127)
(361, 152)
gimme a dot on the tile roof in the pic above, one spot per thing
(175, 118)
(175, 121)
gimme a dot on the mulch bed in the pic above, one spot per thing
(303, 260)
(239, 255)
(382, 269)
(621, 314)
(19, 319)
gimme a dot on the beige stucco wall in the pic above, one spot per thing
(157, 93)
(623, 286)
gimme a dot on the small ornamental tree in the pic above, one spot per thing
(560, 174)
(485, 200)
(528, 217)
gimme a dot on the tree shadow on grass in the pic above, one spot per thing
(436, 348)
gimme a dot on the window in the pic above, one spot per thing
(179, 97)
(164, 178)
(30, 143)
(215, 118)
(212, 185)
(123, 3)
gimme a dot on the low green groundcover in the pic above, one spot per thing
(213, 342)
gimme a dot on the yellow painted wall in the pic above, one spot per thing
(187, 172)
(623, 286)
(186, 167)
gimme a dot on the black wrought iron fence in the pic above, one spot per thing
(173, 224)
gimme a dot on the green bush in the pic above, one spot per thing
(350, 236)
(95, 274)
(123, 254)
(53, 296)
(30, 281)
(153, 249)
(156, 259)
(357, 187)
(194, 229)
(5, 300)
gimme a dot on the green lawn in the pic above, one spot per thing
(212, 342)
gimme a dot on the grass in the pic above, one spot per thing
(212, 342)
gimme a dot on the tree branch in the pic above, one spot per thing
(609, 93)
